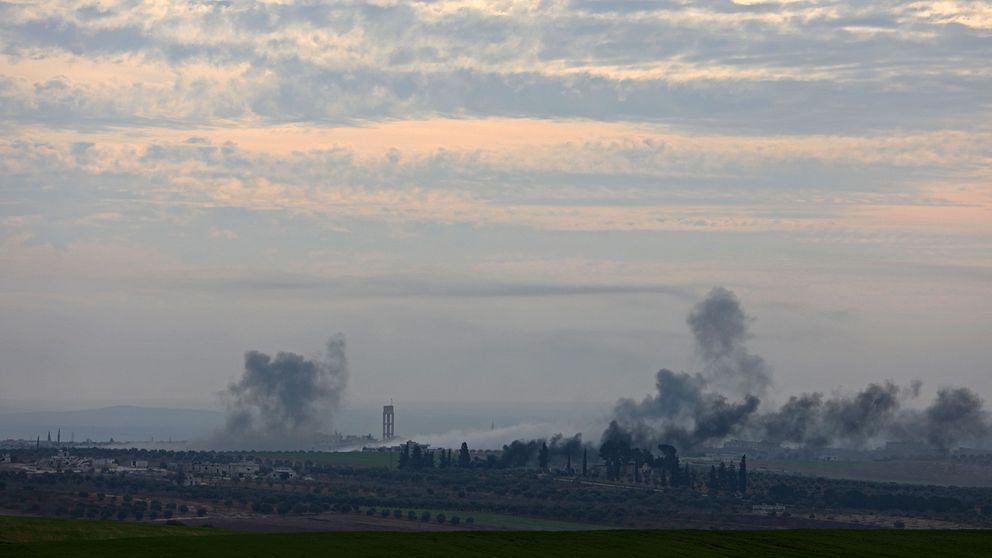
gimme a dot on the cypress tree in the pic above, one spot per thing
(742, 476)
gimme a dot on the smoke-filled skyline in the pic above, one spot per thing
(724, 400)
(515, 200)
(283, 401)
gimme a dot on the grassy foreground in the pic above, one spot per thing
(82, 539)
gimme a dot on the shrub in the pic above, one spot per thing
(398, 514)
(469, 521)
(455, 520)
(425, 516)
(411, 515)
(440, 518)
(201, 511)
(899, 524)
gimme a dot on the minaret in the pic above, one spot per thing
(58, 440)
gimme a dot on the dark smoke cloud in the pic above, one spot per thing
(722, 400)
(956, 417)
(521, 453)
(280, 402)
(720, 328)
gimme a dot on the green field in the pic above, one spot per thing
(340, 458)
(920, 472)
(15, 530)
(54, 537)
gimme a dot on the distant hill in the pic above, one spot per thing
(121, 422)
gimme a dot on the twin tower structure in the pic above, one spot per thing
(388, 421)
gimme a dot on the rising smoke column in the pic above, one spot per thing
(720, 328)
(690, 409)
(279, 402)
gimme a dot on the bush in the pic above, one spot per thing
(411, 515)
(425, 516)
(398, 514)
(469, 521)
(183, 508)
(440, 518)
(455, 520)
(899, 524)
(384, 512)
(201, 511)
(370, 511)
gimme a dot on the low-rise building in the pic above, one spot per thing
(244, 469)
(282, 473)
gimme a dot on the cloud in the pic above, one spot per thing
(773, 67)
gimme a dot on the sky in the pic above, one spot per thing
(493, 201)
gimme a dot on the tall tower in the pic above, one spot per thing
(387, 423)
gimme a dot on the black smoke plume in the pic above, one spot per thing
(281, 402)
(723, 399)
(956, 417)
(521, 453)
(720, 328)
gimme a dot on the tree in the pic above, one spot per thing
(584, 461)
(670, 462)
(712, 483)
(405, 456)
(615, 449)
(416, 457)
(742, 476)
(464, 459)
(542, 456)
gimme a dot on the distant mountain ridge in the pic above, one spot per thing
(121, 422)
